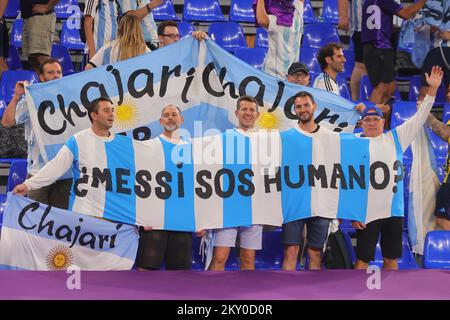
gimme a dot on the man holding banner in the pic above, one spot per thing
(317, 227)
(55, 194)
(101, 114)
(174, 248)
(250, 236)
(391, 228)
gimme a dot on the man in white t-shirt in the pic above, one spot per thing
(285, 34)
(250, 236)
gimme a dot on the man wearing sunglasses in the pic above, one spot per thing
(168, 33)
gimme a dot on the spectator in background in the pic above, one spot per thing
(129, 44)
(298, 73)
(4, 39)
(283, 20)
(331, 59)
(438, 17)
(100, 23)
(168, 33)
(102, 18)
(142, 9)
(378, 52)
(56, 194)
(390, 230)
(39, 22)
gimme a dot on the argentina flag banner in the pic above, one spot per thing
(35, 236)
(200, 77)
(238, 178)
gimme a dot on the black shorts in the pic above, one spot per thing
(158, 246)
(357, 46)
(391, 230)
(443, 201)
(379, 64)
(434, 58)
(4, 40)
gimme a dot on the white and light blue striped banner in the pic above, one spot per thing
(237, 178)
(35, 236)
(201, 78)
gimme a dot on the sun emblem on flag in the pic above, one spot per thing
(126, 115)
(59, 258)
(270, 120)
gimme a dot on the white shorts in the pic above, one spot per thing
(250, 237)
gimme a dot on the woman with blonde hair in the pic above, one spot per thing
(130, 43)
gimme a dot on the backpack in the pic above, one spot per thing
(337, 255)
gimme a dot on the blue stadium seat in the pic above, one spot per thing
(414, 88)
(16, 33)
(70, 38)
(9, 79)
(406, 262)
(349, 64)
(316, 35)
(446, 113)
(365, 88)
(343, 87)
(253, 56)
(66, 8)
(202, 10)
(348, 242)
(17, 174)
(440, 95)
(228, 35)
(330, 12)
(165, 11)
(61, 53)
(242, 11)
(402, 111)
(13, 59)
(309, 57)
(308, 13)
(2, 107)
(12, 10)
(440, 148)
(185, 28)
(261, 38)
(436, 253)
(271, 256)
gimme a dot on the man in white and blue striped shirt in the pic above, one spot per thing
(100, 25)
(101, 20)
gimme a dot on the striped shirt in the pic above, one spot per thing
(108, 54)
(355, 16)
(284, 43)
(148, 23)
(325, 82)
(34, 160)
(105, 14)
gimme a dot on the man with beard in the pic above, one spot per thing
(331, 59)
(317, 227)
(174, 248)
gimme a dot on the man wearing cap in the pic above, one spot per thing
(298, 73)
(386, 145)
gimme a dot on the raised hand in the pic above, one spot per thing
(435, 78)
(20, 189)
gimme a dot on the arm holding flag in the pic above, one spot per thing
(49, 173)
